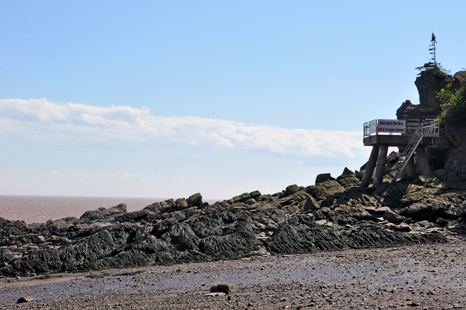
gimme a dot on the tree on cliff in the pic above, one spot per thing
(432, 65)
(453, 104)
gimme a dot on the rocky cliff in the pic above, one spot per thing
(447, 156)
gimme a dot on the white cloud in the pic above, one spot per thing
(47, 174)
(82, 175)
(121, 175)
(159, 178)
(2, 173)
(41, 120)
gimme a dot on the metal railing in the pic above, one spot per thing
(430, 127)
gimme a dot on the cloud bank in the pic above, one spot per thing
(40, 120)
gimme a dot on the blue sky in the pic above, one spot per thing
(165, 99)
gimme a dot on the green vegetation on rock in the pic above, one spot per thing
(453, 104)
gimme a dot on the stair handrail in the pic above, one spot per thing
(424, 126)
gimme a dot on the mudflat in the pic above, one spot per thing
(411, 277)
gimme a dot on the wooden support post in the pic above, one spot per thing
(380, 166)
(411, 169)
(366, 179)
(422, 160)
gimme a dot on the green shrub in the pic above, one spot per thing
(453, 104)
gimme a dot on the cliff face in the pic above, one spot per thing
(428, 84)
(447, 156)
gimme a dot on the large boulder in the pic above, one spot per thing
(323, 177)
(317, 191)
(118, 209)
(102, 213)
(194, 200)
(349, 180)
(291, 189)
(332, 187)
(242, 197)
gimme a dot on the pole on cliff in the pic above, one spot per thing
(432, 49)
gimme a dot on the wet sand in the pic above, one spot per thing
(416, 277)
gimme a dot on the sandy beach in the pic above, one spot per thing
(415, 277)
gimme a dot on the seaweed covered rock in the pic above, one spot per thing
(317, 191)
(332, 187)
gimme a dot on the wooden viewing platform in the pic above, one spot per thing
(410, 135)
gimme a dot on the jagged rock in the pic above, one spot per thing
(346, 171)
(349, 180)
(310, 204)
(323, 177)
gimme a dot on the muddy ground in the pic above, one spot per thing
(415, 277)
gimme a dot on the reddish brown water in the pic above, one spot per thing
(39, 209)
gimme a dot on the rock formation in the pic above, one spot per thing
(335, 214)
(446, 156)
(428, 84)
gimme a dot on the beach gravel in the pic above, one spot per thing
(413, 277)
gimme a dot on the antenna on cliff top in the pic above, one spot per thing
(432, 50)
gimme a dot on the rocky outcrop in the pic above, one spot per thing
(429, 83)
(446, 156)
(336, 214)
